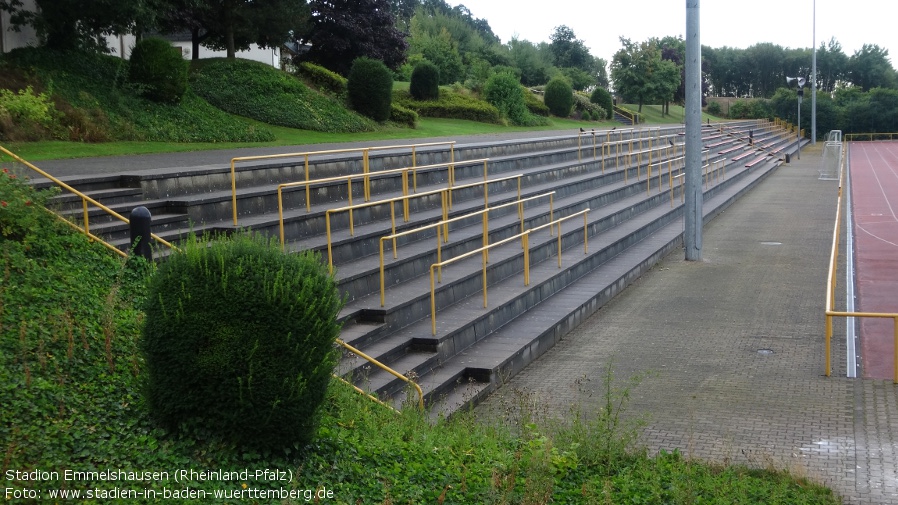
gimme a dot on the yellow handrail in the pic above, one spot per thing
(444, 237)
(445, 193)
(871, 136)
(85, 200)
(525, 236)
(386, 369)
(305, 155)
(348, 178)
(831, 288)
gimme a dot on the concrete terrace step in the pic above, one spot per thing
(465, 323)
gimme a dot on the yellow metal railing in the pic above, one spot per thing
(525, 244)
(386, 369)
(86, 201)
(870, 136)
(443, 236)
(445, 194)
(305, 155)
(627, 113)
(831, 289)
(348, 179)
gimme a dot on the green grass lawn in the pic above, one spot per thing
(427, 127)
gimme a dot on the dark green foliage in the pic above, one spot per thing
(535, 104)
(370, 88)
(258, 91)
(504, 91)
(601, 97)
(585, 116)
(403, 116)
(239, 340)
(97, 105)
(714, 108)
(583, 105)
(158, 70)
(451, 105)
(425, 81)
(323, 79)
(559, 97)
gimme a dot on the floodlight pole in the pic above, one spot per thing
(692, 212)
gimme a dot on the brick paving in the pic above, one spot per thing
(734, 348)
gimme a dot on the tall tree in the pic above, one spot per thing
(234, 25)
(343, 30)
(832, 65)
(79, 24)
(869, 68)
(632, 69)
(568, 50)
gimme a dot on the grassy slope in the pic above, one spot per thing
(70, 382)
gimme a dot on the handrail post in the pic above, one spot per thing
(383, 287)
(281, 216)
(585, 234)
(86, 218)
(486, 235)
(484, 260)
(308, 186)
(233, 192)
(439, 256)
(525, 244)
(433, 304)
(365, 170)
(327, 229)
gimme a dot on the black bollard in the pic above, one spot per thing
(141, 221)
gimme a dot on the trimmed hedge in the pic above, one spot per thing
(370, 88)
(451, 105)
(158, 70)
(403, 116)
(559, 97)
(323, 79)
(425, 81)
(239, 341)
(601, 97)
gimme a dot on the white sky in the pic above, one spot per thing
(733, 23)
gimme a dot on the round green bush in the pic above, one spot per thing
(714, 108)
(158, 70)
(425, 81)
(601, 97)
(504, 91)
(370, 88)
(559, 97)
(238, 341)
(585, 116)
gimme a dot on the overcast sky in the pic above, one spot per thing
(739, 24)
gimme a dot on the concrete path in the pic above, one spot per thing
(735, 349)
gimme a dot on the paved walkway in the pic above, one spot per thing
(735, 347)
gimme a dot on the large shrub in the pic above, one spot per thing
(601, 97)
(158, 70)
(239, 341)
(559, 97)
(370, 88)
(425, 81)
(504, 91)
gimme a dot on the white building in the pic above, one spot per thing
(121, 45)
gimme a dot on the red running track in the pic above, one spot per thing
(874, 197)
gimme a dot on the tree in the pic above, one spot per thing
(234, 25)
(526, 56)
(568, 51)
(869, 68)
(631, 70)
(79, 24)
(832, 65)
(343, 30)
